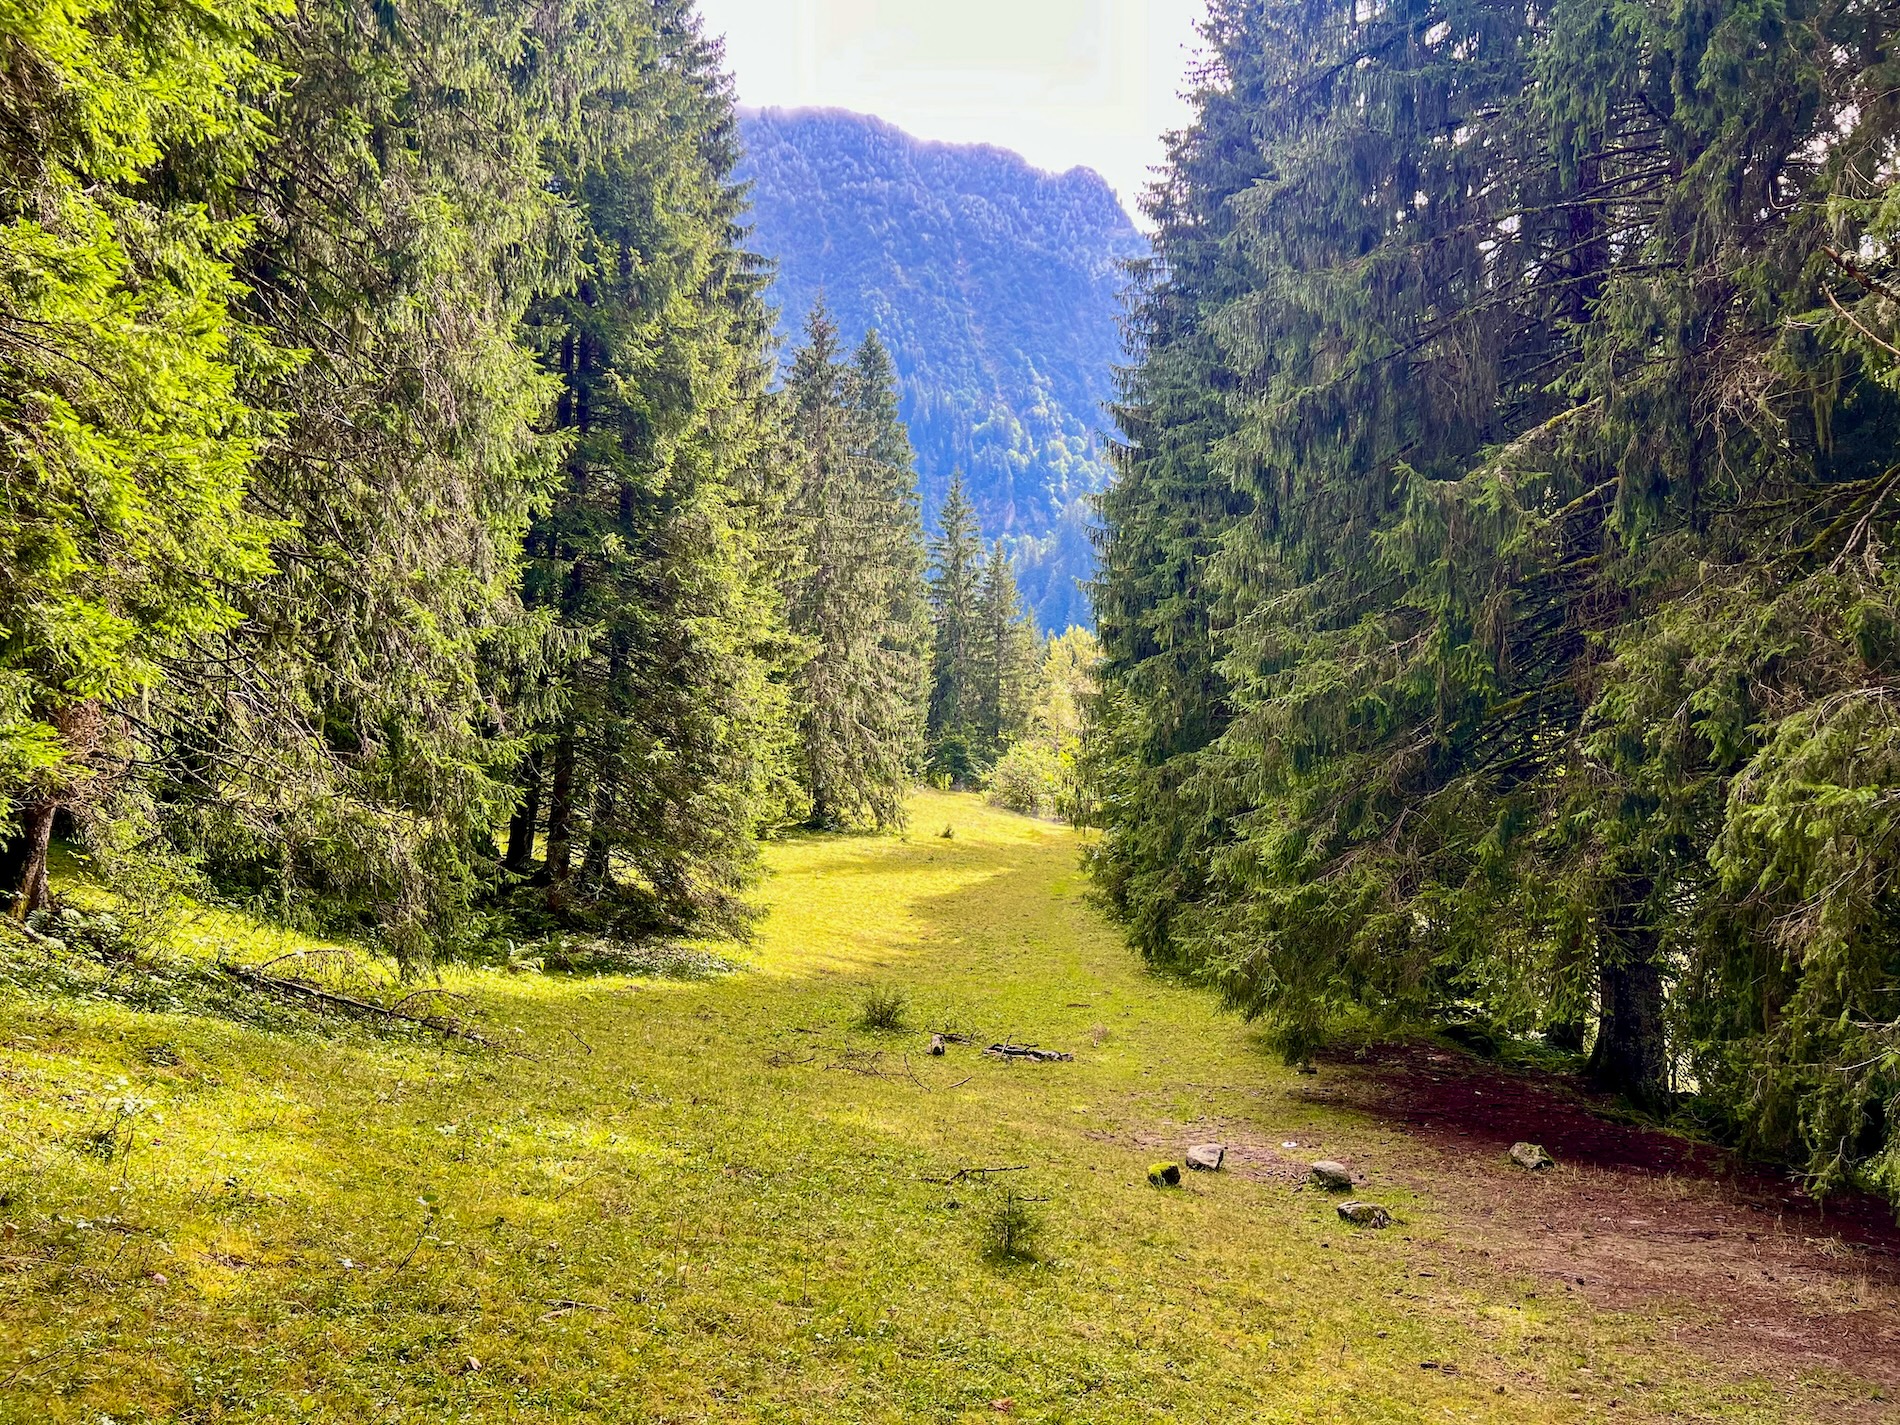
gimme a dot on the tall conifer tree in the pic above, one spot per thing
(1005, 659)
(126, 448)
(1510, 557)
(854, 596)
(660, 722)
(956, 574)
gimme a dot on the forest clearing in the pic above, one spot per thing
(725, 1197)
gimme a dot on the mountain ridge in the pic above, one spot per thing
(996, 286)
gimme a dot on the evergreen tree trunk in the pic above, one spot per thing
(521, 825)
(36, 837)
(1631, 1056)
(594, 869)
(561, 823)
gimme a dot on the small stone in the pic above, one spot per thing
(1334, 1177)
(1207, 1157)
(1165, 1174)
(1365, 1214)
(937, 1045)
(1532, 1157)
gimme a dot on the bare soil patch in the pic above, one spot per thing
(1634, 1216)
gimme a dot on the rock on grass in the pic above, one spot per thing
(1365, 1214)
(1334, 1177)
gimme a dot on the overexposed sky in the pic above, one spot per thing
(1062, 82)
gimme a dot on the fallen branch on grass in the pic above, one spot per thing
(562, 1306)
(1007, 1050)
(301, 991)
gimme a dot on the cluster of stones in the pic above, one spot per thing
(1337, 1177)
(1202, 1158)
(1329, 1176)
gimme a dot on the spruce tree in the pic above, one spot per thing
(1483, 628)
(855, 592)
(1005, 659)
(126, 447)
(658, 725)
(402, 223)
(956, 574)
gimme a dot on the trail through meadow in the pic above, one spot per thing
(725, 1199)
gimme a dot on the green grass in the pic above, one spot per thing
(725, 1198)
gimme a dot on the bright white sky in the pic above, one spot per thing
(1062, 82)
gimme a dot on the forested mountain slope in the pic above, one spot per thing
(995, 287)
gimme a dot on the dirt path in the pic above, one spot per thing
(1635, 1217)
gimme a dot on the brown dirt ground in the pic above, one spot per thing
(1631, 1216)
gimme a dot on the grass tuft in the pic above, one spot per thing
(1011, 1230)
(883, 1010)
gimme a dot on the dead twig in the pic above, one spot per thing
(578, 1183)
(859, 1061)
(422, 1232)
(48, 1361)
(961, 1173)
(563, 1307)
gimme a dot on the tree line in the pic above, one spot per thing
(1497, 593)
(402, 526)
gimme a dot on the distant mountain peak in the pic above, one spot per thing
(996, 286)
(1080, 176)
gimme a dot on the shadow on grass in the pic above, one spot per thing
(1451, 1100)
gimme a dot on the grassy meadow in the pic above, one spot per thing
(726, 1199)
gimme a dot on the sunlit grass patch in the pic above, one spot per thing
(728, 1198)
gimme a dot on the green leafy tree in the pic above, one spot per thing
(1044, 772)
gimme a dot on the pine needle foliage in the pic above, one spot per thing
(660, 731)
(1494, 598)
(392, 494)
(984, 648)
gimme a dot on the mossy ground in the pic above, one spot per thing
(714, 1200)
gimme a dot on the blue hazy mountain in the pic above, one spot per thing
(996, 287)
